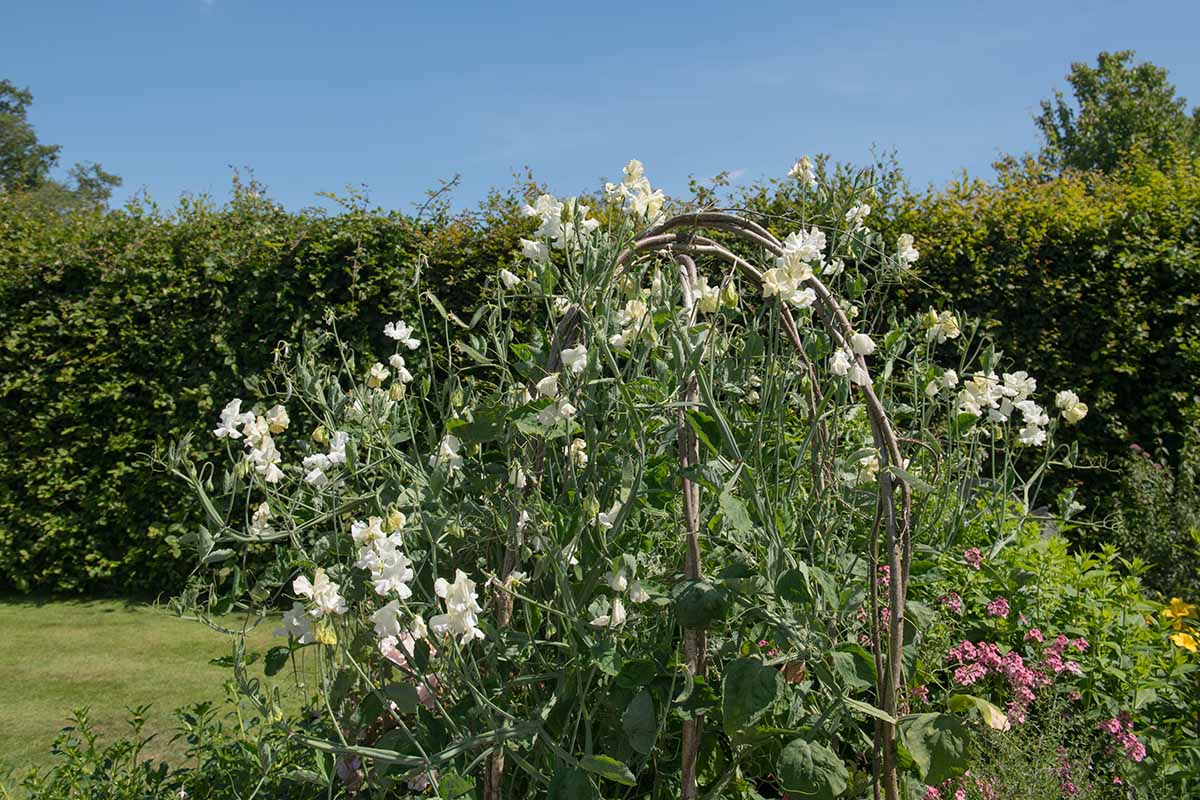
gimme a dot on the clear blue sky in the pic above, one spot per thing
(315, 96)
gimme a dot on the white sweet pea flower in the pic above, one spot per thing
(857, 215)
(575, 358)
(862, 344)
(548, 386)
(614, 619)
(618, 580)
(839, 362)
(397, 362)
(638, 593)
(576, 451)
(462, 609)
(516, 476)
(447, 455)
(378, 374)
(232, 418)
(906, 254)
(777, 282)
(367, 533)
(402, 333)
(1070, 406)
(337, 447)
(277, 419)
(510, 280)
(858, 375)
(390, 568)
(950, 379)
(260, 520)
(537, 252)
(606, 519)
(387, 621)
(803, 172)
(834, 268)
(1018, 386)
(322, 592)
(296, 624)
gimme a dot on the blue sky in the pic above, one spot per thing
(317, 96)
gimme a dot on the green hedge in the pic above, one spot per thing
(1093, 281)
(124, 330)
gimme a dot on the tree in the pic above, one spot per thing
(1118, 105)
(26, 164)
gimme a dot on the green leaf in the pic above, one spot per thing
(869, 710)
(608, 767)
(698, 604)
(937, 743)
(993, 716)
(748, 690)
(812, 771)
(640, 722)
(276, 659)
(571, 783)
(452, 785)
(735, 512)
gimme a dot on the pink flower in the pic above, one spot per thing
(1080, 644)
(1034, 634)
(885, 575)
(969, 674)
(973, 558)
(931, 793)
(921, 693)
(998, 608)
(952, 602)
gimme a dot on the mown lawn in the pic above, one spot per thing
(110, 655)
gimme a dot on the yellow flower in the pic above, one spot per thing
(1176, 612)
(1184, 640)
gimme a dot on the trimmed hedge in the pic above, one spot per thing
(125, 330)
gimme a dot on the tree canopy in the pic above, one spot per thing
(1118, 105)
(26, 164)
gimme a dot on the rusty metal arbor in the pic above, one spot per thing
(682, 239)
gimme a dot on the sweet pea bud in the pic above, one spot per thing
(395, 520)
(729, 295)
(320, 436)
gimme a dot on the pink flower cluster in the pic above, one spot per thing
(1120, 728)
(974, 558)
(952, 602)
(977, 661)
(1053, 654)
(998, 608)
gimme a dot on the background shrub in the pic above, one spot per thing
(123, 328)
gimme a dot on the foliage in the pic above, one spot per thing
(26, 163)
(124, 327)
(1158, 518)
(229, 753)
(1089, 280)
(482, 545)
(1115, 660)
(1119, 107)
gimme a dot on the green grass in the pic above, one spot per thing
(56, 655)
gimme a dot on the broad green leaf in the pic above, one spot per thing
(869, 710)
(698, 604)
(608, 767)
(938, 745)
(811, 771)
(735, 512)
(640, 722)
(571, 784)
(993, 716)
(749, 689)
(276, 659)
